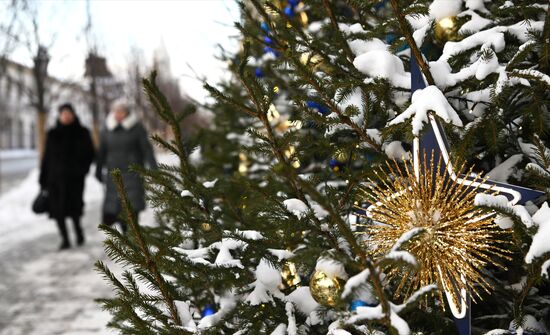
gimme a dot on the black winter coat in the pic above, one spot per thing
(67, 157)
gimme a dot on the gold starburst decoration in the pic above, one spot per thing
(456, 239)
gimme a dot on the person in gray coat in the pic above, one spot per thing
(123, 142)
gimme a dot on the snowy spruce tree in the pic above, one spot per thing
(265, 225)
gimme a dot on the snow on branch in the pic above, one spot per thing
(501, 202)
(376, 313)
(355, 282)
(415, 296)
(424, 101)
(539, 245)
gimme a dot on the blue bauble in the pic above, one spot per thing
(265, 27)
(380, 5)
(289, 11)
(323, 110)
(335, 165)
(359, 303)
(270, 50)
(259, 73)
(209, 309)
(293, 3)
(268, 40)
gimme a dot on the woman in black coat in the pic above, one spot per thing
(67, 157)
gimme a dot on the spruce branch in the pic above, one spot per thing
(341, 37)
(299, 185)
(164, 110)
(544, 61)
(149, 259)
(406, 30)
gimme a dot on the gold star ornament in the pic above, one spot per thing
(456, 239)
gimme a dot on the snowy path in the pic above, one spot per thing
(43, 291)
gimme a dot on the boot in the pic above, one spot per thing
(78, 230)
(65, 244)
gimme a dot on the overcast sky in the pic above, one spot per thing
(189, 30)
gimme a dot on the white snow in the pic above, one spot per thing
(528, 324)
(500, 201)
(440, 9)
(382, 63)
(354, 282)
(303, 300)
(227, 303)
(296, 207)
(504, 222)
(359, 47)
(210, 184)
(292, 329)
(424, 101)
(504, 170)
(186, 193)
(540, 244)
(394, 150)
(185, 315)
(475, 24)
(331, 267)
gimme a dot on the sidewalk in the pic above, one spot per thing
(43, 291)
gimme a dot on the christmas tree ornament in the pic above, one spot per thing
(290, 153)
(205, 226)
(434, 141)
(244, 163)
(268, 40)
(359, 303)
(265, 27)
(454, 239)
(209, 309)
(289, 11)
(290, 277)
(335, 165)
(326, 288)
(315, 61)
(342, 155)
(269, 50)
(446, 30)
(272, 113)
(323, 110)
(258, 73)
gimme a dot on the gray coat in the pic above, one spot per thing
(121, 146)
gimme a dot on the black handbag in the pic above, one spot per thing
(40, 204)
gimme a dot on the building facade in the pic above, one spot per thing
(18, 116)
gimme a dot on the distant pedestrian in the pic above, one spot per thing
(123, 142)
(67, 157)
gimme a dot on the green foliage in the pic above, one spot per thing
(265, 146)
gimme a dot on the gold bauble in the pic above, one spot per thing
(325, 289)
(455, 240)
(446, 30)
(205, 226)
(315, 61)
(290, 277)
(341, 155)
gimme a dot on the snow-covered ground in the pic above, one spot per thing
(44, 291)
(14, 166)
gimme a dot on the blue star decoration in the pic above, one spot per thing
(434, 140)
